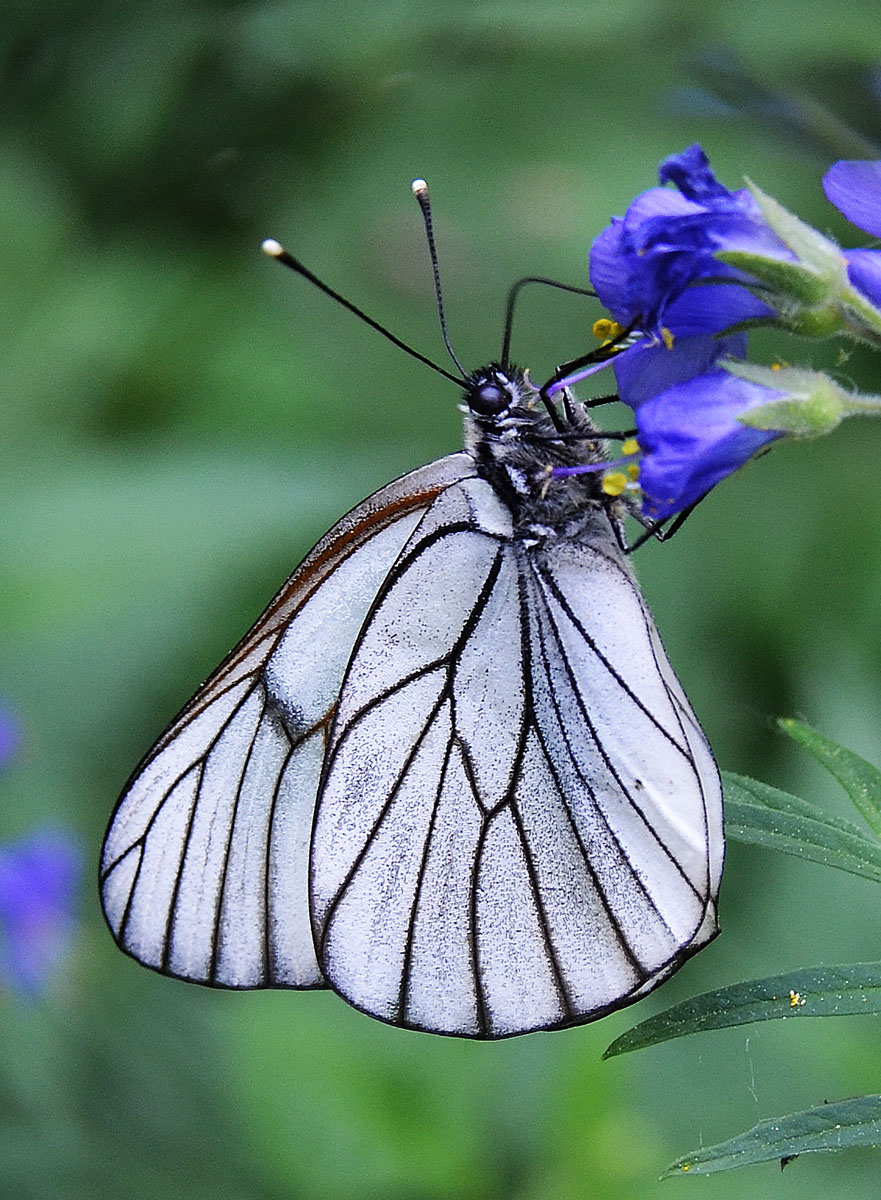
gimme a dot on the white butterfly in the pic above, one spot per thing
(449, 773)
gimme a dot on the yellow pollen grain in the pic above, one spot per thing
(615, 483)
(633, 472)
(795, 999)
(667, 335)
(631, 446)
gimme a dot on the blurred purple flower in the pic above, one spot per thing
(854, 187)
(10, 737)
(644, 264)
(39, 875)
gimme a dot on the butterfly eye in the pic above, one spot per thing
(491, 396)
(489, 400)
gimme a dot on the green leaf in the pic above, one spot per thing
(860, 779)
(855, 1122)
(809, 992)
(764, 816)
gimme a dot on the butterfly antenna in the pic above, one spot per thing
(277, 251)
(512, 300)
(420, 191)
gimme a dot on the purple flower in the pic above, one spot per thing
(690, 412)
(691, 438)
(38, 882)
(644, 264)
(687, 408)
(854, 187)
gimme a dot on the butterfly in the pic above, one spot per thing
(449, 772)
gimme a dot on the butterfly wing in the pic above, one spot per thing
(204, 866)
(519, 821)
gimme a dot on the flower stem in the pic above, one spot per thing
(863, 319)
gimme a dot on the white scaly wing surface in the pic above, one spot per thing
(204, 866)
(519, 823)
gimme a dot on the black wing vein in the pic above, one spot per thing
(564, 604)
(613, 771)
(615, 924)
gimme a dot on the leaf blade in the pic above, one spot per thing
(828, 1127)
(809, 992)
(859, 778)
(760, 815)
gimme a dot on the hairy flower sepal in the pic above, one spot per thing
(785, 280)
(811, 248)
(805, 291)
(812, 405)
(812, 295)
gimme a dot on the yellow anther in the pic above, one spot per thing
(667, 335)
(631, 446)
(615, 483)
(607, 330)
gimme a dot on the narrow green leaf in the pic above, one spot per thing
(809, 992)
(839, 1126)
(860, 779)
(765, 816)
(753, 791)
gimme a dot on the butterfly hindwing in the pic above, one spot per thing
(518, 825)
(204, 866)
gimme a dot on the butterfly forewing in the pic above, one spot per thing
(204, 867)
(514, 829)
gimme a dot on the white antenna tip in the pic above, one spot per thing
(418, 187)
(273, 248)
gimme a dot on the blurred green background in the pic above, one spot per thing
(181, 420)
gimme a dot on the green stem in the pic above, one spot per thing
(862, 406)
(867, 326)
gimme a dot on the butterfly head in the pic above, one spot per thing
(517, 439)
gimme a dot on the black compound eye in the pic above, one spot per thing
(489, 400)
(490, 396)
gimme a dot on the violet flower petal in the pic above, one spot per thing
(854, 187)
(691, 438)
